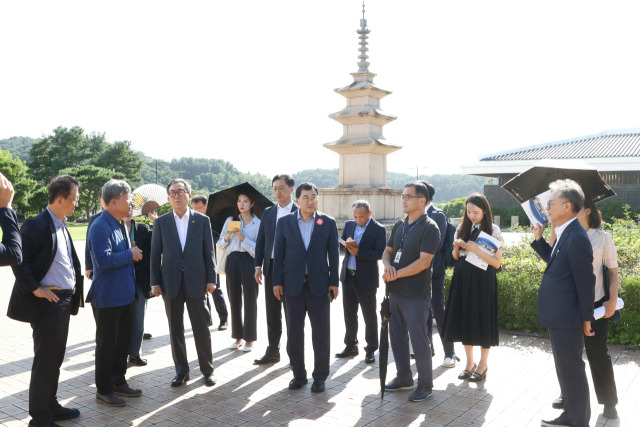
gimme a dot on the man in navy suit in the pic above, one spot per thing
(305, 271)
(282, 190)
(360, 278)
(48, 289)
(11, 246)
(565, 299)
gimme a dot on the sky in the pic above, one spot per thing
(252, 82)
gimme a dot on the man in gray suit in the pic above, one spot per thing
(182, 271)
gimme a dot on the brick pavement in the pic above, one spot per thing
(518, 391)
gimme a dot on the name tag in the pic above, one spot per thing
(398, 255)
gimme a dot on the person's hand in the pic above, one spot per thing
(352, 250)
(390, 274)
(277, 291)
(6, 192)
(538, 230)
(136, 252)
(609, 308)
(156, 290)
(152, 215)
(239, 235)
(470, 246)
(211, 287)
(335, 290)
(45, 292)
(457, 244)
(258, 275)
(87, 274)
(586, 328)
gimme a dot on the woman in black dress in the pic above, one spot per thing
(471, 316)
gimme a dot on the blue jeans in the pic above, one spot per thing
(137, 322)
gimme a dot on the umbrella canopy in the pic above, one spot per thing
(536, 180)
(222, 204)
(147, 198)
(383, 349)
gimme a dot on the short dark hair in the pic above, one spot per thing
(305, 186)
(430, 188)
(287, 178)
(421, 189)
(199, 199)
(113, 189)
(595, 217)
(179, 181)
(61, 186)
(362, 203)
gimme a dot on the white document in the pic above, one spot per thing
(536, 208)
(489, 245)
(598, 313)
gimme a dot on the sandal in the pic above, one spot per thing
(466, 374)
(476, 377)
(137, 361)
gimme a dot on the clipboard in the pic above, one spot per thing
(349, 244)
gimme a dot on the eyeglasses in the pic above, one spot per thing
(281, 188)
(178, 193)
(553, 202)
(407, 197)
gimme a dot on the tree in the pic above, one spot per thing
(92, 179)
(119, 157)
(65, 148)
(17, 172)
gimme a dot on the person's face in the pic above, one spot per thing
(244, 204)
(179, 196)
(281, 191)
(474, 213)
(361, 215)
(71, 202)
(411, 201)
(200, 207)
(122, 205)
(308, 201)
(557, 207)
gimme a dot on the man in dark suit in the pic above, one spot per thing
(565, 299)
(182, 271)
(282, 190)
(437, 281)
(11, 246)
(305, 271)
(47, 290)
(112, 293)
(199, 204)
(360, 278)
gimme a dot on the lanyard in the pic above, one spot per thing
(409, 231)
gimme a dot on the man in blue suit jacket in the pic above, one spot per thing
(305, 271)
(565, 299)
(360, 278)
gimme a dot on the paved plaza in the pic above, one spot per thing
(520, 386)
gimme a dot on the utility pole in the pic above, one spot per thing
(418, 168)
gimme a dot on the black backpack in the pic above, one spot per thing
(447, 247)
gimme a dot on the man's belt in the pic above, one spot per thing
(351, 272)
(64, 291)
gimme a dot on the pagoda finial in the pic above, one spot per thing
(363, 65)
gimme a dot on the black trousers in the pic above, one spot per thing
(242, 285)
(218, 302)
(273, 307)
(199, 316)
(113, 337)
(567, 346)
(49, 343)
(437, 311)
(318, 309)
(600, 363)
(352, 296)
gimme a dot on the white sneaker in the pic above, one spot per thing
(235, 345)
(247, 348)
(450, 362)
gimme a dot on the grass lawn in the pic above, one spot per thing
(78, 231)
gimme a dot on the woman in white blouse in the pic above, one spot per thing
(241, 245)
(604, 253)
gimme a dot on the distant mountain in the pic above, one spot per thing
(18, 146)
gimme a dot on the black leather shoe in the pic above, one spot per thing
(137, 361)
(562, 420)
(558, 403)
(223, 325)
(348, 352)
(62, 413)
(146, 336)
(297, 383)
(369, 357)
(110, 399)
(317, 386)
(33, 423)
(126, 390)
(209, 380)
(268, 358)
(179, 380)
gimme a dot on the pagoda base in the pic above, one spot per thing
(385, 203)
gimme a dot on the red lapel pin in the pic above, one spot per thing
(319, 221)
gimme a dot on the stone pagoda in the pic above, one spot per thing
(362, 147)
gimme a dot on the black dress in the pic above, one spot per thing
(471, 314)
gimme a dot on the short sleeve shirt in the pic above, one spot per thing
(421, 236)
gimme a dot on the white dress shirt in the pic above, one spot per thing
(279, 214)
(182, 224)
(559, 230)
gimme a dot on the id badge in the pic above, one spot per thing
(397, 258)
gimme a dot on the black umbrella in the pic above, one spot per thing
(222, 204)
(536, 180)
(385, 315)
